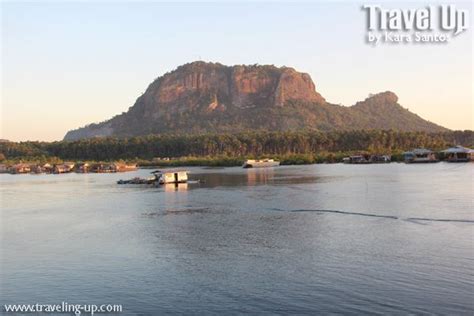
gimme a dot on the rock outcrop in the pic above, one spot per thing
(204, 97)
(240, 86)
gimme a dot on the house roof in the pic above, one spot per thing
(458, 149)
(419, 151)
(21, 165)
(169, 171)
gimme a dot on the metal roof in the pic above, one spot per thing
(458, 149)
(418, 151)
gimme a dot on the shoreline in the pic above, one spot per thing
(55, 165)
(184, 165)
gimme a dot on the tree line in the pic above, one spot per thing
(245, 144)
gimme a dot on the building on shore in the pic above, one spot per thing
(366, 159)
(63, 168)
(102, 168)
(458, 154)
(47, 168)
(356, 159)
(122, 167)
(420, 155)
(82, 167)
(3, 168)
(36, 168)
(20, 168)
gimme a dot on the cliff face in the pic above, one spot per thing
(239, 86)
(210, 97)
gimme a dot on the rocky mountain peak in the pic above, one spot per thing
(211, 97)
(385, 97)
(241, 86)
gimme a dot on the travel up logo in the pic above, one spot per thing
(430, 24)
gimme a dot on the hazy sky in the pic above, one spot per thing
(65, 65)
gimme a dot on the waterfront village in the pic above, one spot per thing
(66, 167)
(418, 155)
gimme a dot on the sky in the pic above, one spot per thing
(68, 64)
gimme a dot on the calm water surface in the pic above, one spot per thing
(336, 238)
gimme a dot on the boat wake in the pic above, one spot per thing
(177, 211)
(339, 212)
(414, 219)
(410, 219)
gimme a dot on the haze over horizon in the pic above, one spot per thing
(65, 65)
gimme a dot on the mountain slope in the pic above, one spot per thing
(209, 97)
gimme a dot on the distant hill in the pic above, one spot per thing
(204, 97)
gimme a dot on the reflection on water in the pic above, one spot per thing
(389, 239)
(260, 175)
(172, 187)
(234, 177)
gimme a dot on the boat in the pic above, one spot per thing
(357, 159)
(160, 177)
(420, 155)
(260, 163)
(138, 180)
(178, 176)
